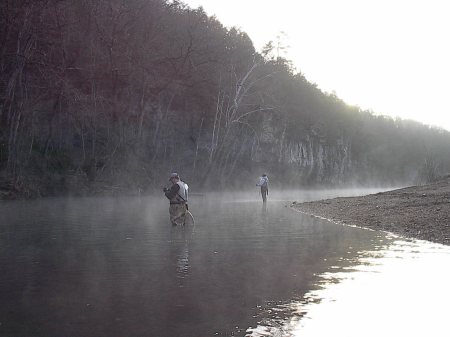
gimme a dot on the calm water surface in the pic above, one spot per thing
(116, 267)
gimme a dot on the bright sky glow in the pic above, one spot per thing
(389, 56)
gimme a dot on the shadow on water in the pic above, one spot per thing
(116, 267)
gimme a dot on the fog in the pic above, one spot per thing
(116, 266)
(253, 194)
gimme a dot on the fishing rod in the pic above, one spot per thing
(192, 217)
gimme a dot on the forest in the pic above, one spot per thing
(106, 97)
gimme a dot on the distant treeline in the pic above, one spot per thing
(98, 96)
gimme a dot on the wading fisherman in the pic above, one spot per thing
(264, 183)
(178, 196)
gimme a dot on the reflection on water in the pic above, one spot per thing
(116, 267)
(180, 240)
(400, 290)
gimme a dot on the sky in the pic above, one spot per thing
(388, 56)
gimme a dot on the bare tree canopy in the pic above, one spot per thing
(110, 95)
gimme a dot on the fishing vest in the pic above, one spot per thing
(263, 181)
(182, 194)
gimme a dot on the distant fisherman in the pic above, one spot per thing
(264, 183)
(178, 196)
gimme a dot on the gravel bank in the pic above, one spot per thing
(420, 212)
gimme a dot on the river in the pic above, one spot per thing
(116, 267)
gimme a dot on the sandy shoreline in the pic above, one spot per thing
(419, 212)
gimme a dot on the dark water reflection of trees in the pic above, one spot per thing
(115, 267)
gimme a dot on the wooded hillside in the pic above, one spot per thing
(106, 96)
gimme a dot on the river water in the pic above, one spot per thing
(116, 267)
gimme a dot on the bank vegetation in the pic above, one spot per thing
(108, 96)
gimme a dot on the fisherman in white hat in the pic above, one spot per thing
(264, 183)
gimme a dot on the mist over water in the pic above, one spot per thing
(116, 267)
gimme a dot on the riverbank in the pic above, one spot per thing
(419, 212)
